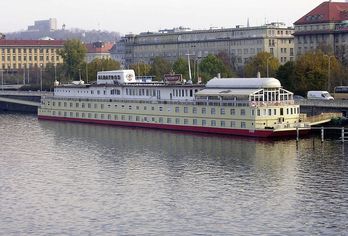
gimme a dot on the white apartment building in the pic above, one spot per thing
(240, 44)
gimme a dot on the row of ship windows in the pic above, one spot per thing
(162, 120)
(194, 110)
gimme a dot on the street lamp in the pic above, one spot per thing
(329, 71)
(41, 77)
(189, 66)
(55, 72)
(86, 72)
(2, 80)
(267, 66)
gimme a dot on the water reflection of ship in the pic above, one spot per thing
(170, 142)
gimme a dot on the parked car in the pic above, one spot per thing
(319, 95)
(298, 97)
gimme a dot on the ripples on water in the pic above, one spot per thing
(76, 179)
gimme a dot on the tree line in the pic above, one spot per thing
(310, 71)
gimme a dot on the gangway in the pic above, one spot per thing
(322, 118)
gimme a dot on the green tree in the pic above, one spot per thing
(312, 72)
(160, 67)
(211, 66)
(287, 76)
(99, 65)
(141, 69)
(228, 62)
(73, 54)
(259, 63)
(180, 66)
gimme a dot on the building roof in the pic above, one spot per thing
(326, 12)
(243, 83)
(18, 42)
(99, 47)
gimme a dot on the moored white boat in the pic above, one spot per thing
(257, 107)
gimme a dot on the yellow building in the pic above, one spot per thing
(27, 54)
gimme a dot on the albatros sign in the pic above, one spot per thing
(173, 78)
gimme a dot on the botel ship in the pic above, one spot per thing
(257, 107)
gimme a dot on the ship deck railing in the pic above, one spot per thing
(202, 102)
(282, 126)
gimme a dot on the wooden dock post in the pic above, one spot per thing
(342, 135)
(297, 134)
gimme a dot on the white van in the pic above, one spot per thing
(319, 95)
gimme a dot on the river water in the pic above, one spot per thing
(61, 178)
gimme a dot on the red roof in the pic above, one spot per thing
(326, 12)
(99, 47)
(17, 42)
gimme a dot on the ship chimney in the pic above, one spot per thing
(258, 74)
(219, 76)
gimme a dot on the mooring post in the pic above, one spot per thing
(322, 134)
(342, 135)
(297, 134)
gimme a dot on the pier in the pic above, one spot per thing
(341, 131)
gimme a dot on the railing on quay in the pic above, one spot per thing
(26, 93)
(322, 103)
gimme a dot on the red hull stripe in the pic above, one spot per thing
(240, 132)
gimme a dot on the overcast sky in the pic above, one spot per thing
(137, 16)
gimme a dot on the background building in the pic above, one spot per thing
(44, 25)
(240, 44)
(325, 27)
(26, 54)
(99, 50)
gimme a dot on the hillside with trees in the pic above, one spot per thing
(85, 36)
